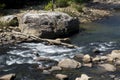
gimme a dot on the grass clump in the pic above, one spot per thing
(49, 6)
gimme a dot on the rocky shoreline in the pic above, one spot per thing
(106, 63)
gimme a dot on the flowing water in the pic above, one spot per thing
(20, 59)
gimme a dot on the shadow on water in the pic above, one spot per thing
(100, 34)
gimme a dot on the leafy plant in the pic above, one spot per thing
(49, 6)
(79, 7)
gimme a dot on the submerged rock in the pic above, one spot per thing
(69, 63)
(49, 24)
(79, 57)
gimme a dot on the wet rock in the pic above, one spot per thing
(64, 40)
(96, 51)
(116, 78)
(69, 63)
(49, 24)
(88, 64)
(112, 76)
(103, 58)
(61, 77)
(42, 59)
(87, 58)
(55, 68)
(83, 77)
(100, 59)
(10, 20)
(96, 59)
(79, 57)
(115, 54)
(108, 67)
(8, 77)
(46, 72)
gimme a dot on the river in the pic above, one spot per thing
(103, 35)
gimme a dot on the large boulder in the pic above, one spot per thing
(49, 24)
(69, 63)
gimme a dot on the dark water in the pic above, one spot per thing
(20, 59)
(103, 34)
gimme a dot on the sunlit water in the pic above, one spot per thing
(103, 35)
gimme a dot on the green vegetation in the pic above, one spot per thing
(61, 3)
(49, 6)
(11, 23)
(2, 6)
(65, 3)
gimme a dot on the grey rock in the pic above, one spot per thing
(49, 24)
(69, 63)
(46, 72)
(108, 67)
(55, 68)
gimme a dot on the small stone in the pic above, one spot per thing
(55, 68)
(46, 72)
(103, 58)
(83, 77)
(61, 77)
(79, 57)
(88, 65)
(69, 63)
(42, 59)
(8, 77)
(112, 76)
(96, 59)
(96, 51)
(87, 58)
